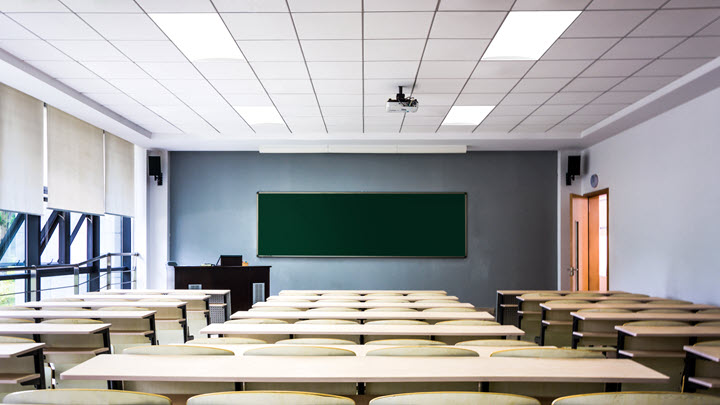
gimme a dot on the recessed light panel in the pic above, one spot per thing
(467, 115)
(200, 36)
(260, 115)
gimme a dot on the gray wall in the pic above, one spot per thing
(511, 216)
(664, 201)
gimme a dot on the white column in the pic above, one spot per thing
(158, 226)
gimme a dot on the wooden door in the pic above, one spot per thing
(579, 242)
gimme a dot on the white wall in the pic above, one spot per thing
(157, 226)
(664, 183)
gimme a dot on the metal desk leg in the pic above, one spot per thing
(106, 338)
(484, 386)
(575, 327)
(689, 371)
(361, 388)
(153, 328)
(186, 331)
(499, 316)
(115, 385)
(620, 344)
(613, 387)
(543, 326)
(38, 366)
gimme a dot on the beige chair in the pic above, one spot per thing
(85, 397)
(385, 294)
(546, 390)
(290, 300)
(584, 294)
(407, 342)
(354, 338)
(15, 320)
(454, 398)
(638, 398)
(62, 299)
(599, 335)
(629, 295)
(254, 321)
(558, 323)
(669, 302)
(531, 315)
(496, 342)
(707, 369)
(316, 341)
(371, 338)
(269, 398)
(450, 309)
(664, 311)
(617, 301)
(340, 301)
(708, 323)
(387, 301)
(300, 350)
(63, 352)
(167, 321)
(435, 301)
(451, 340)
(333, 309)
(227, 341)
(18, 366)
(340, 293)
(423, 294)
(126, 333)
(710, 311)
(172, 387)
(275, 309)
(391, 309)
(708, 343)
(382, 388)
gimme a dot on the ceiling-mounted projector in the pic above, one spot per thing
(401, 103)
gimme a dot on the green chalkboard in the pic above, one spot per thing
(362, 224)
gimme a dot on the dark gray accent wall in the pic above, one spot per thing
(512, 209)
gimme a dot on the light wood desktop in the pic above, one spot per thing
(711, 353)
(632, 307)
(10, 350)
(703, 381)
(38, 329)
(361, 305)
(364, 315)
(448, 298)
(669, 331)
(404, 292)
(506, 304)
(161, 291)
(14, 350)
(644, 316)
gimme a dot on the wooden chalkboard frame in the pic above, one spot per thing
(257, 226)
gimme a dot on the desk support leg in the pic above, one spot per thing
(362, 339)
(485, 386)
(361, 388)
(499, 310)
(688, 372)
(153, 328)
(613, 387)
(38, 367)
(620, 344)
(239, 386)
(575, 326)
(186, 331)
(114, 385)
(106, 339)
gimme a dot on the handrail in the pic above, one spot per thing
(69, 266)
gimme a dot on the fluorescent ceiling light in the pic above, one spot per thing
(467, 115)
(200, 36)
(260, 115)
(293, 149)
(376, 149)
(526, 35)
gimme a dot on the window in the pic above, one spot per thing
(111, 242)
(12, 253)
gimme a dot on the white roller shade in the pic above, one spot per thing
(21, 152)
(76, 179)
(119, 176)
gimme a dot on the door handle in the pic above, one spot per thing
(572, 271)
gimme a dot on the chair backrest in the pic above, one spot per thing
(62, 299)
(607, 310)
(333, 309)
(397, 322)
(419, 351)
(84, 396)
(496, 342)
(15, 320)
(123, 309)
(387, 301)
(468, 322)
(269, 398)
(14, 308)
(298, 350)
(584, 294)
(669, 302)
(340, 293)
(435, 301)
(638, 398)
(257, 321)
(546, 352)
(274, 309)
(450, 309)
(453, 398)
(159, 299)
(540, 294)
(663, 311)
(656, 323)
(228, 341)
(710, 311)
(76, 321)
(708, 343)
(328, 322)
(629, 295)
(293, 300)
(618, 301)
(422, 294)
(183, 350)
(552, 302)
(13, 339)
(391, 309)
(315, 341)
(406, 342)
(388, 294)
(709, 323)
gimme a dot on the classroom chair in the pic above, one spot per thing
(450, 309)
(558, 324)
(391, 309)
(407, 342)
(618, 301)
(167, 321)
(628, 295)
(708, 323)
(354, 338)
(63, 352)
(371, 338)
(300, 350)
(85, 397)
(435, 301)
(275, 309)
(598, 335)
(269, 398)
(709, 311)
(382, 388)
(315, 341)
(227, 341)
(451, 340)
(126, 333)
(664, 311)
(422, 294)
(267, 338)
(386, 294)
(339, 302)
(531, 315)
(172, 387)
(340, 293)
(387, 301)
(15, 320)
(706, 368)
(669, 302)
(454, 398)
(496, 342)
(15, 365)
(546, 390)
(638, 398)
(333, 309)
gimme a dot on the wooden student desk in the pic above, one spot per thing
(195, 301)
(320, 298)
(363, 315)
(294, 329)
(695, 353)
(506, 303)
(352, 369)
(692, 332)
(220, 303)
(360, 305)
(39, 315)
(15, 350)
(38, 329)
(361, 292)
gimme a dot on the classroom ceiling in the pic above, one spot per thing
(328, 66)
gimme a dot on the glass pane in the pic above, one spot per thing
(111, 242)
(15, 253)
(78, 248)
(61, 286)
(51, 253)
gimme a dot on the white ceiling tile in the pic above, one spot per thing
(251, 6)
(490, 85)
(299, 111)
(390, 70)
(259, 26)
(549, 120)
(99, 6)
(698, 47)
(90, 50)
(601, 109)
(494, 127)
(377, 101)
(150, 51)
(271, 51)
(621, 97)
(614, 68)
(348, 128)
(712, 29)
(176, 6)
(644, 83)
(675, 22)
(225, 70)
(280, 70)
(9, 29)
(205, 99)
(332, 51)
(582, 119)
(592, 83)
(328, 25)
(605, 23)
(573, 97)
(309, 6)
(435, 99)
(535, 5)
(532, 128)
(393, 49)
(579, 48)
(563, 127)
(188, 87)
(413, 119)
(641, 48)
(513, 110)
(557, 109)
(439, 85)
(110, 99)
(466, 24)
(388, 87)
(479, 99)
(56, 25)
(526, 98)
(557, 68)
(116, 70)
(344, 120)
(540, 85)
(225, 86)
(340, 100)
(146, 91)
(387, 119)
(501, 69)
(249, 100)
(624, 4)
(456, 129)
(114, 26)
(289, 100)
(446, 69)
(382, 128)
(414, 129)
(32, 49)
(338, 86)
(34, 6)
(511, 120)
(90, 85)
(335, 70)
(397, 25)
(171, 70)
(455, 49)
(476, 5)
(270, 128)
(430, 111)
(226, 124)
(672, 67)
(305, 124)
(64, 69)
(288, 86)
(340, 111)
(691, 4)
(400, 5)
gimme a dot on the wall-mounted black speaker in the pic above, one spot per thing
(573, 169)
(154, 168)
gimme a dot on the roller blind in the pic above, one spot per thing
(76, 179)
(119, 176)
(21, 152)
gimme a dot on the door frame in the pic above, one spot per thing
(595, 193)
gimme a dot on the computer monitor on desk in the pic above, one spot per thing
(230, 260)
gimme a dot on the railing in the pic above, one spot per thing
(33, 274)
